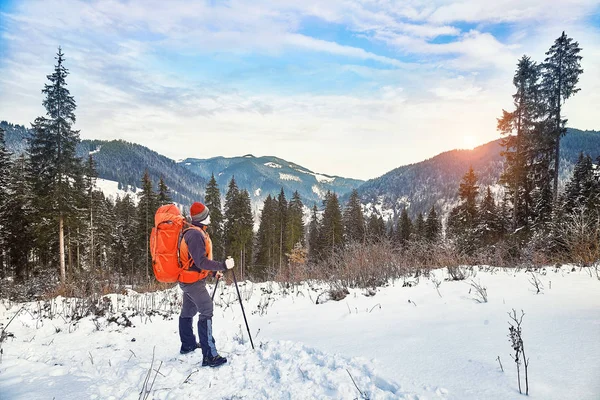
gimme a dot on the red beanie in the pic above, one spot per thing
(198, 211)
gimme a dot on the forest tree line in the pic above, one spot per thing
(57, 224)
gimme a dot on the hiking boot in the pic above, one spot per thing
(188, 350)
(213, 361)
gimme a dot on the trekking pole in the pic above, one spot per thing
(240, 298)
(215, 291)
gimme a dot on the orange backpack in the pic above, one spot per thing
(165, 241)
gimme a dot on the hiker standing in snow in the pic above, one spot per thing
(196, 257)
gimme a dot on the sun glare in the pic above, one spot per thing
(469, 142)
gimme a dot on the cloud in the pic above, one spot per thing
(317, 82)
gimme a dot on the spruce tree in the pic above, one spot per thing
(463, 219)
(489, 226)
(581, 190)
(55, 166)
(231, 226)
(295, 222)
(265, 253)
(561, 70)
(354, 221)
(164, 195)
(375, 228)
(212, 200)
(420, 227)
(126, 253)
(521, 127)
(332, 226)
(281, 221)
(147, 206)
(433, 226)
(18, 228)
(239, 226)
(404, 228)
(246, 221)
(314, 236)
(5, 167)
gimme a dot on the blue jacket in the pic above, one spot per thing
(197, 250)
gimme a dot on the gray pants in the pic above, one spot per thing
(196, 300)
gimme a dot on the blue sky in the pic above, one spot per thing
(353, 88)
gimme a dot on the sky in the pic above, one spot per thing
(342, 87)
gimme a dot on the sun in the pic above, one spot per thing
(469, 142)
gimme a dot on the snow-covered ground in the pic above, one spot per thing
(404, 342)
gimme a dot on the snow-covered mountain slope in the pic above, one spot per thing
(435, 181)
(262, 176)
(403, 342)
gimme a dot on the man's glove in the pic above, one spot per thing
(229, 263)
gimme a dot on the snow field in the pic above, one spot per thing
(430, 347)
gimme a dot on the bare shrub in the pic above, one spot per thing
(516, 339)
(536, 283)
(479, 292)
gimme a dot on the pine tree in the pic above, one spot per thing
(489, 227)
(231, 226)
(562, 68)
(125, 248)
(5, 167)
(18, 228)
(147, 206)
(265, 253)
(354, 221)
(295, 222)
(520, 145)
(433, 226)
(281, 220)
(164, 195)
(463, 219)
(239, 226)
(314, 236)
(332, 227)
(55, 166)
(246, 221)
(581, 191)
(375, 228)
(420, 230)
(404, 228)
(212, 200)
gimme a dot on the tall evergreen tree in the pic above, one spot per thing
(433, 226)
(489, 227)
(55, 166)
(354, 221)
(520, 126)
(314, 236)
(295, 222)
(332, 226)
(266, 240)
(239, 226)
(146, 209)
(463, 219)
(561, 70)
(375, 228)
(404, 228)
(126, 252)
(281, 220)
(212, 200)
(246, 221)
(5, 167)
(18, 227)
(582, 190)
(164, 195)
(420, 231)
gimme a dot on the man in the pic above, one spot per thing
(196, 258)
